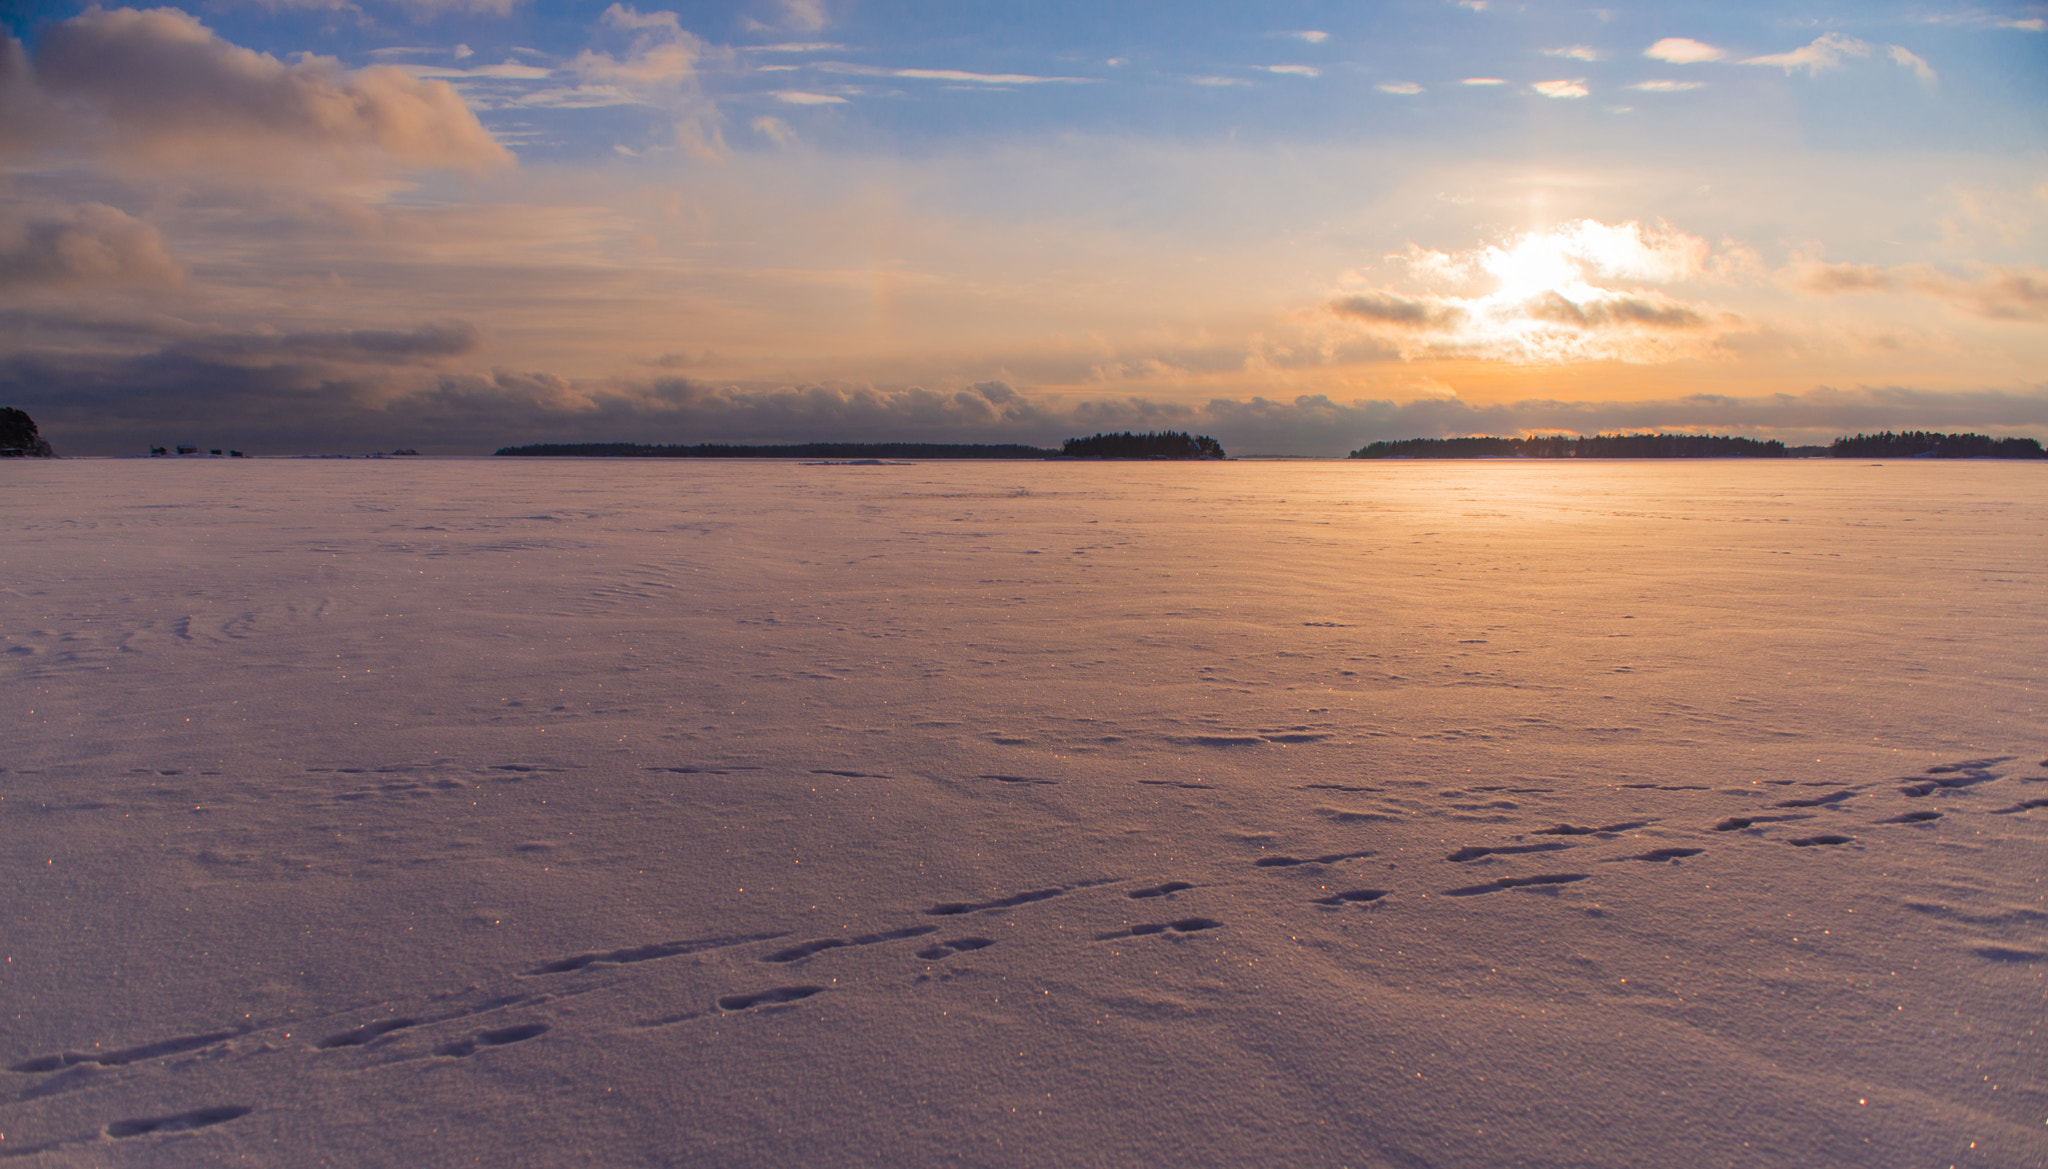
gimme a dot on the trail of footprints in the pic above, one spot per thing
(461, 1033)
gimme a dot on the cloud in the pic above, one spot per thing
(1563, 89)
(1405, 312)
(168, 93)
(797, 97)
(1575, 52)
(1215, 82)
(90, 244)
(1910, 60)
(1311, 35)
(1977, 18)
(1483, 81)
(1666, 86)
(1292, 70)
(1550, 296)
(1399, 88)
(423, 344)
(663, 54)
(803, 15)
(957, 75)
(1683, 51)
(1823, 52)
(1997, 294)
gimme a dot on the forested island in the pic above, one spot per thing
(19, 437)
(1166, 444)
(1885, 445)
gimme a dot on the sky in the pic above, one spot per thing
(331, 226)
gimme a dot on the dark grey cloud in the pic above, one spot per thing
(378, 346)
(1388, 308)
(1611, 311)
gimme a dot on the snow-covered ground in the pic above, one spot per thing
(438, 812)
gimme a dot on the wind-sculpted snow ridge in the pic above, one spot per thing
(1551, 817)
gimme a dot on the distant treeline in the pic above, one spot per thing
(1704, 446)
(1169, 444)
(804, 450)
(1915, 444)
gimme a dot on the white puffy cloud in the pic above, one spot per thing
(1683, 51)
(1575, 87)
(1575, 53)
(1484, 81)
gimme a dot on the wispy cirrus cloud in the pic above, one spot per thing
(1399, 88)
(955, 75)
(1666, 86)
(1823, 52)
(1575, 53)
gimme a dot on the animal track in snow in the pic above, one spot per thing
(1827, 800)
(1575, 830)
(1159, 890)
(1538, 881)
(647, 953)
(1737, 823)
(798, 953)
(2022, 806)
(1474, 852)
(497, 1037)
(365, 1033)
(1823, 838)
(767, 998)
(1353, 897)
(198, 1118)
(1921, 817)
(1186, 925)
(1020, 779)
(1284, 861)
(956, 946)
(956, 908)
(1660, 854)
(122, 1058)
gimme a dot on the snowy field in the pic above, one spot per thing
(618, 813)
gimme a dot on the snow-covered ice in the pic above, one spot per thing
(437, 812)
